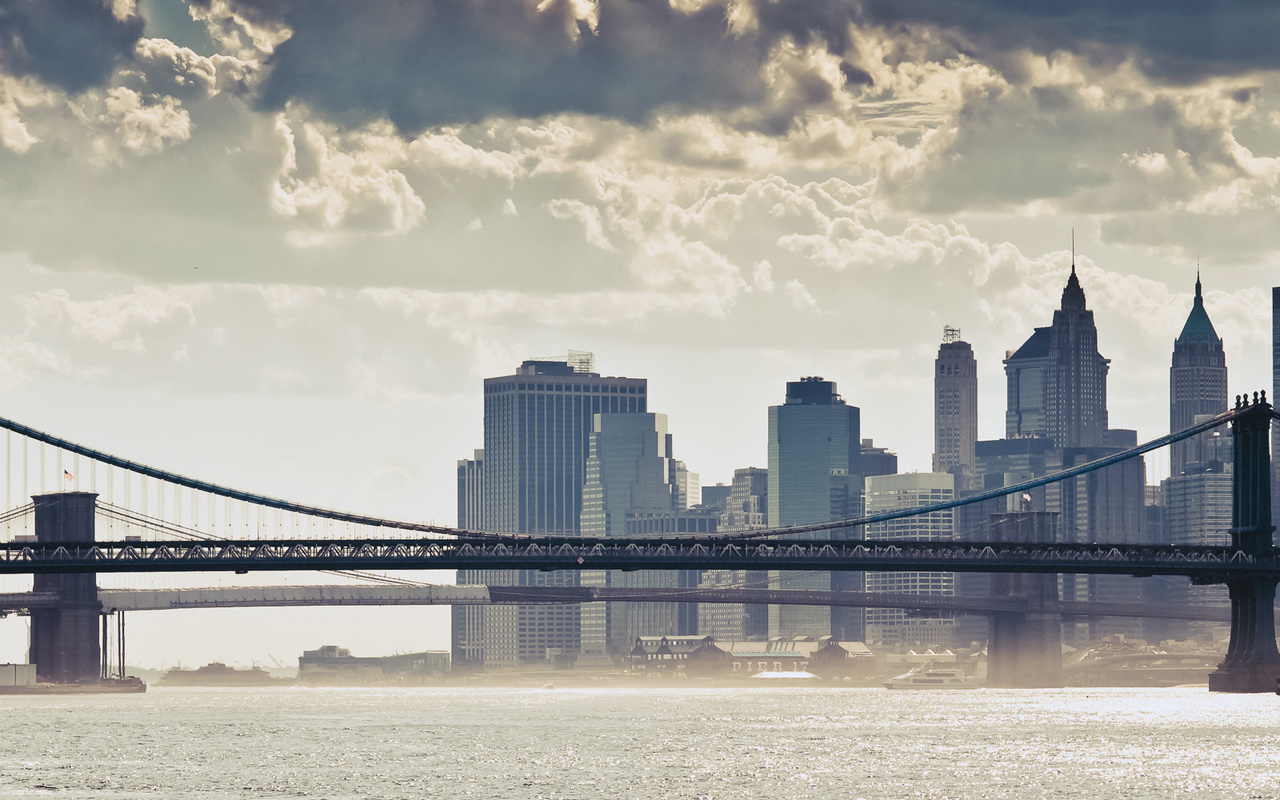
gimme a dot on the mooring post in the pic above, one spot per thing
(1253, 662)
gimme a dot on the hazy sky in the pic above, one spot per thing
(277, 244)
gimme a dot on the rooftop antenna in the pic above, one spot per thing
(1073, 251)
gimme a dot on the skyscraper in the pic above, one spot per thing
(955, 407)
(889, 493)
(814, 448)
(1057, 380)
(1198, 512)
(1275, 400)
(1057, 392)
(1197, 382)
(745, 508)
(528, 479)
(632, 484)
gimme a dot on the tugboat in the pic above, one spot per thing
(929, 677)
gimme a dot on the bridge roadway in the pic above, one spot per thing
(1202, 564)
(288, 596)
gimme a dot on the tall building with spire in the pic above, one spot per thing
(1057, 393)
(955, 408)
(1057, 380)
(1197, 382)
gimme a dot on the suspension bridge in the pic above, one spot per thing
(156, 521)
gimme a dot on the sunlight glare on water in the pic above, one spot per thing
(643, 743)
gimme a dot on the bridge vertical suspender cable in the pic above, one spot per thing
(261, 502)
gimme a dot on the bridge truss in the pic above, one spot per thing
(1207, 564)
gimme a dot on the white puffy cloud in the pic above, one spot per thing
(246, 35)
(337, 186)
(145, 127)
(16, 95)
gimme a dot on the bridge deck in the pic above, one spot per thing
(293, 596)
(1204, 564)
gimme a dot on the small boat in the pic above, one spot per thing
(927, 677)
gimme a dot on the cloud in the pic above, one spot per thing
(22, 359)
(143, 127)
(337, 186)
(243, 30)
(587, 216)
(1180, 43)
(17, 95)
(767, 63)
(456, 61)
(165, 67)
(70, 44)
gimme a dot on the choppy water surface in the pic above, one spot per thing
(642, 743)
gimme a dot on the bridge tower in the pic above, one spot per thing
(1024, 650)
(1253, 662)
(64, 639)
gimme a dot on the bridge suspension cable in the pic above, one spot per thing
(160, 526)
(444, 531)
(221, 491)
(992, 494)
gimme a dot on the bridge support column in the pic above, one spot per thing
(64, 639)
(1024, 650)
(1253, 662)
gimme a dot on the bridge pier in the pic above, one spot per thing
(1253, 662)
(1024, 649)
(64, 639)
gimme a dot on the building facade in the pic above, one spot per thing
(528, 479)
(894, 627)
(1198, 512)
(634, 487)
(1197, 382)
(955, 408)
(814, 448)
(1275, 400)
(1057, 397)
(1057, 380)
(746, 508)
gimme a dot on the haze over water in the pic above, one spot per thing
(643, 743)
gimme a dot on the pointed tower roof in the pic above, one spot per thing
(1073, 292)
(1198, 327)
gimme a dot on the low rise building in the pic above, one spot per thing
(703, 657)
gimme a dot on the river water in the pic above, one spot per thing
(642, 743)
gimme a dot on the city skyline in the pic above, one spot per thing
(235, 246)
(641, 382)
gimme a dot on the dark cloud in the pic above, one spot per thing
(71, 44)
(454, 61)
(429, 62)
(1179, 41)
(451, 61)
